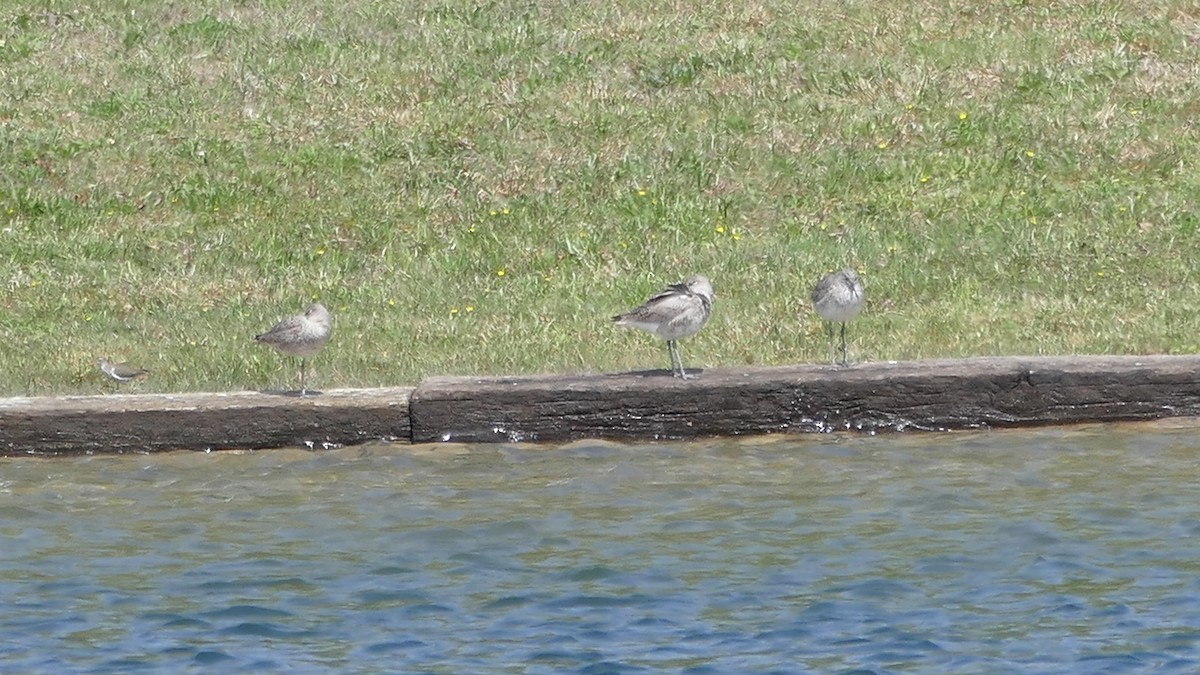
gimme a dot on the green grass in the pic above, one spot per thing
(475, 187)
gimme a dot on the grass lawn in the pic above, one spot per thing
(475, 187)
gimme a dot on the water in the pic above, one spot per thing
(1034, 552)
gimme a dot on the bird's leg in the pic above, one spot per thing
(677, 359)
(303, 377)
(832, 353)
(845, 356)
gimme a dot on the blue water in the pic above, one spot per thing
(1050, 551)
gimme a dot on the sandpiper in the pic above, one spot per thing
(676, 312)
(302, 336)
(121, 372)
(839, 297)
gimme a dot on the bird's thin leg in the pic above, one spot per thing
(679, 359)
(303, 376)
(845, 356)
(673, 356)
(832, 353)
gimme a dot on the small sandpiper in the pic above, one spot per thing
(839, 297)
(676, 312)
(302, 336)
(121, 372)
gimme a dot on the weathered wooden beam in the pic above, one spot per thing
(933, 395)
(202, 421)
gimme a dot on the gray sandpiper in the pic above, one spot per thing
(121, 372)
(839, 297)
(678, 311)
(302, 336)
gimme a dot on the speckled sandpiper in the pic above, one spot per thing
(676, 312)
(121, 372)
(839, 297)
(301, 336)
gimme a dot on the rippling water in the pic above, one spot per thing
(1049, 551)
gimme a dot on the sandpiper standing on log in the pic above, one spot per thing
(676, 312)
(121, 372)
(302, 336)
(839, 297)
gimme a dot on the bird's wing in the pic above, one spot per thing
(288, 326)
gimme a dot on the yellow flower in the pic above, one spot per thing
(641, 192)
(1033, 220)
(720, 229)
(504, 211)
(392, 302)
(453, 311)
(470, 308)
(882, 145)
(500, 272)
(1030, 153)
(962, 115)
(924, 178)
(320, 251)
(492, 212)
(737, 236)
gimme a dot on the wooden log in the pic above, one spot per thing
(931, 395)
(871, 397)
(201, 421)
